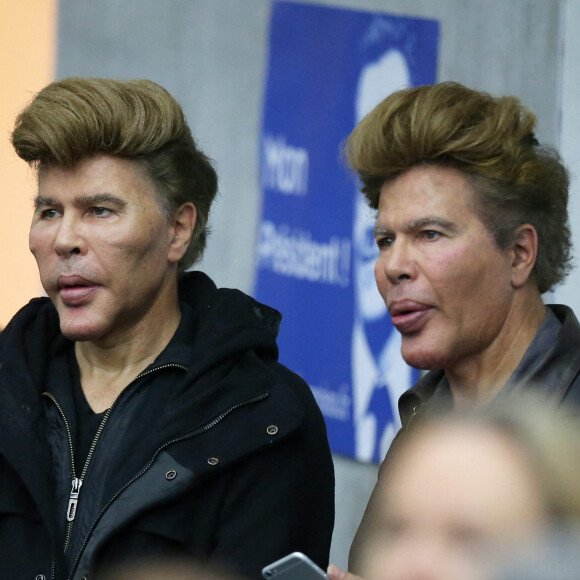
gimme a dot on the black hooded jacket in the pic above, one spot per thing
(216, 450)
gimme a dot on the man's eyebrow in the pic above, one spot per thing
(430, 221)
(41, 200)
(83, 200)
(418, 224)
(99, 198)
(380, 231)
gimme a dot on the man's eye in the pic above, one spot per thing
(48, 214)
(384, 242)
(431, 234)
(101, 211)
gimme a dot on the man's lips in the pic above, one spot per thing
(409, 316)
(75, 290)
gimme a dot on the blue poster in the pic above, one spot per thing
(316, 252)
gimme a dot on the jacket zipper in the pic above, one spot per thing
(77, 482)
(191, 435)
(73, 471)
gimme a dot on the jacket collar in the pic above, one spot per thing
(553, 374)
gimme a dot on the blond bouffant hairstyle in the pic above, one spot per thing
(491, 141)
(77, 118)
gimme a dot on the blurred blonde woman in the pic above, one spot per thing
(467, 491)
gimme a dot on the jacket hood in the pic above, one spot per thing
(221, 323)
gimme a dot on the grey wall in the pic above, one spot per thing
(212, 55)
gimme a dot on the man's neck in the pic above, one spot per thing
(107, 368)
(480, 378)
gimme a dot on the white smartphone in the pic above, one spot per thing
(295, 566)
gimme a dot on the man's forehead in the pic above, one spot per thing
(96, 176)
(427, 181)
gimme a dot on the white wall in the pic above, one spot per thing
(569, 292)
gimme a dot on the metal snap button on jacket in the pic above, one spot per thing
(171, 474)
(272, 430)
(213, 460)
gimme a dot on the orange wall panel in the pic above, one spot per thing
(28, 30)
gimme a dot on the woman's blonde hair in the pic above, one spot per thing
(547, 437)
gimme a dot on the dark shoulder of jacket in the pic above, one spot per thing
(567, 349)
(29, 334)
(37, 315)
(299, 387)
(568, 319)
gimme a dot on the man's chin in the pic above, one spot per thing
(80, 333)
(424, 359)
(79, 324)
(79, 337)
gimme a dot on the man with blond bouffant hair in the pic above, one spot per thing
(144, 413)
(472, 228)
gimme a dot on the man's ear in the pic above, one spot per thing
(525, 252)
(183, 224)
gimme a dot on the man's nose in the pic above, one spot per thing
(397, 262)
(69, 239)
